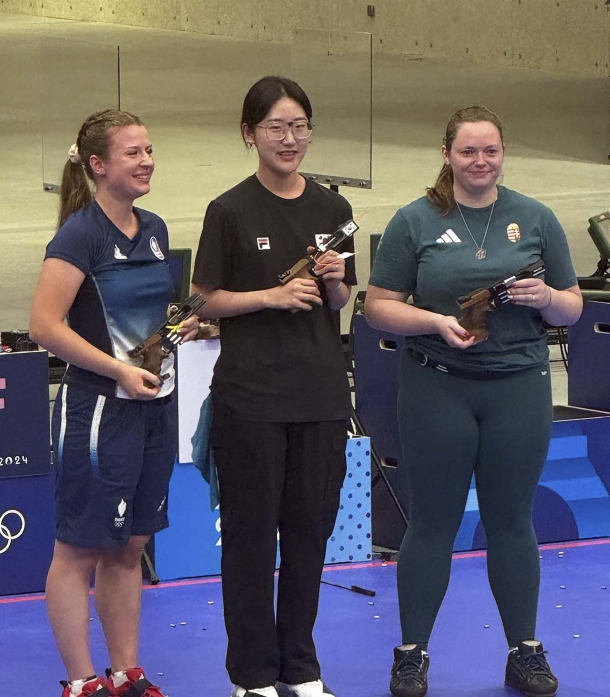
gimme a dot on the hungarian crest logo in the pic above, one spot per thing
(513, 232)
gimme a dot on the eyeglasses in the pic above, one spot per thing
(278, 131)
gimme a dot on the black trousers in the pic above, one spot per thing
(274, 477)
(451, 428)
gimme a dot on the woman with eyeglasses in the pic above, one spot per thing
(281, 396)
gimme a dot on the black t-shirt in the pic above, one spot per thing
(274, 365)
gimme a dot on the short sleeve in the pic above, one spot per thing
(163, 234)
(72, 244)
(395, 265)
(213, 258)
(559, 272)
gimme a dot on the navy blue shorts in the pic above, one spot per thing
(114, 459)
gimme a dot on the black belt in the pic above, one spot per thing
(425, 360)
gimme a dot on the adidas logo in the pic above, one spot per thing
(449, 237)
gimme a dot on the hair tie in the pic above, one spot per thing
(74, 155)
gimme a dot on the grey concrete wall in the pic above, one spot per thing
(569, 36)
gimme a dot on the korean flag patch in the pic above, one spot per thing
(321, 239)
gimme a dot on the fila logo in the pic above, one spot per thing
(117, 253)
(263, 243)
(120, 520)
(448, 237)
(2, 387)
(154, 245)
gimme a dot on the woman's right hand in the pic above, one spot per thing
(298, 294)
(453, 332)
(134, 382)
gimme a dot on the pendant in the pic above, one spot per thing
(481, 253)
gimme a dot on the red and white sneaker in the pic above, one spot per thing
(95, 686)
(131, 683)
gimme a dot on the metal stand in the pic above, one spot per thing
(149, 568)
(354, 589)
(380, 471)
(357, 425)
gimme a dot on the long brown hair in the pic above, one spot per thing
(93, 139)
(441, 194)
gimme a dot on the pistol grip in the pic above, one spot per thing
(474, 321)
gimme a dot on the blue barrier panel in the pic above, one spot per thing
(24, 414)
(351, 538)
(27, 532)
(191, 545)
(573, 499)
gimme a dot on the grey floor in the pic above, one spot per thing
(189, 90)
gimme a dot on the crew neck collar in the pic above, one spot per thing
(280, 199)
(476, 209)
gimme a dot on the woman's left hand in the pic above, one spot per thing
(189, 328)
(330, 268)
(530, 292)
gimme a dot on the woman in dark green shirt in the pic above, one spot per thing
(467, 405)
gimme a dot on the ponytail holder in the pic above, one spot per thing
(74, 155)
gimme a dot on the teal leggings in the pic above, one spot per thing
(450, 428)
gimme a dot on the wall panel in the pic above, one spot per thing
(223, 17)
(161, 14)
(564, 35)
(560, 35)
(581, 33)
(466, 30)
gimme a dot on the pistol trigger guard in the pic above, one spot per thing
(494, 303)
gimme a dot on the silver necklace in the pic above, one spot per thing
(481, 252)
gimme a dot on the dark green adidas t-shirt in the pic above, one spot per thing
(432, 258)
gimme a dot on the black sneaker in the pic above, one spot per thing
(409, 672)
(527, 670)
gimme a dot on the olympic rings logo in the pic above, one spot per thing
(5, 531)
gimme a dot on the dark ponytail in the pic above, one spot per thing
(93, 139)
(441, 194)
